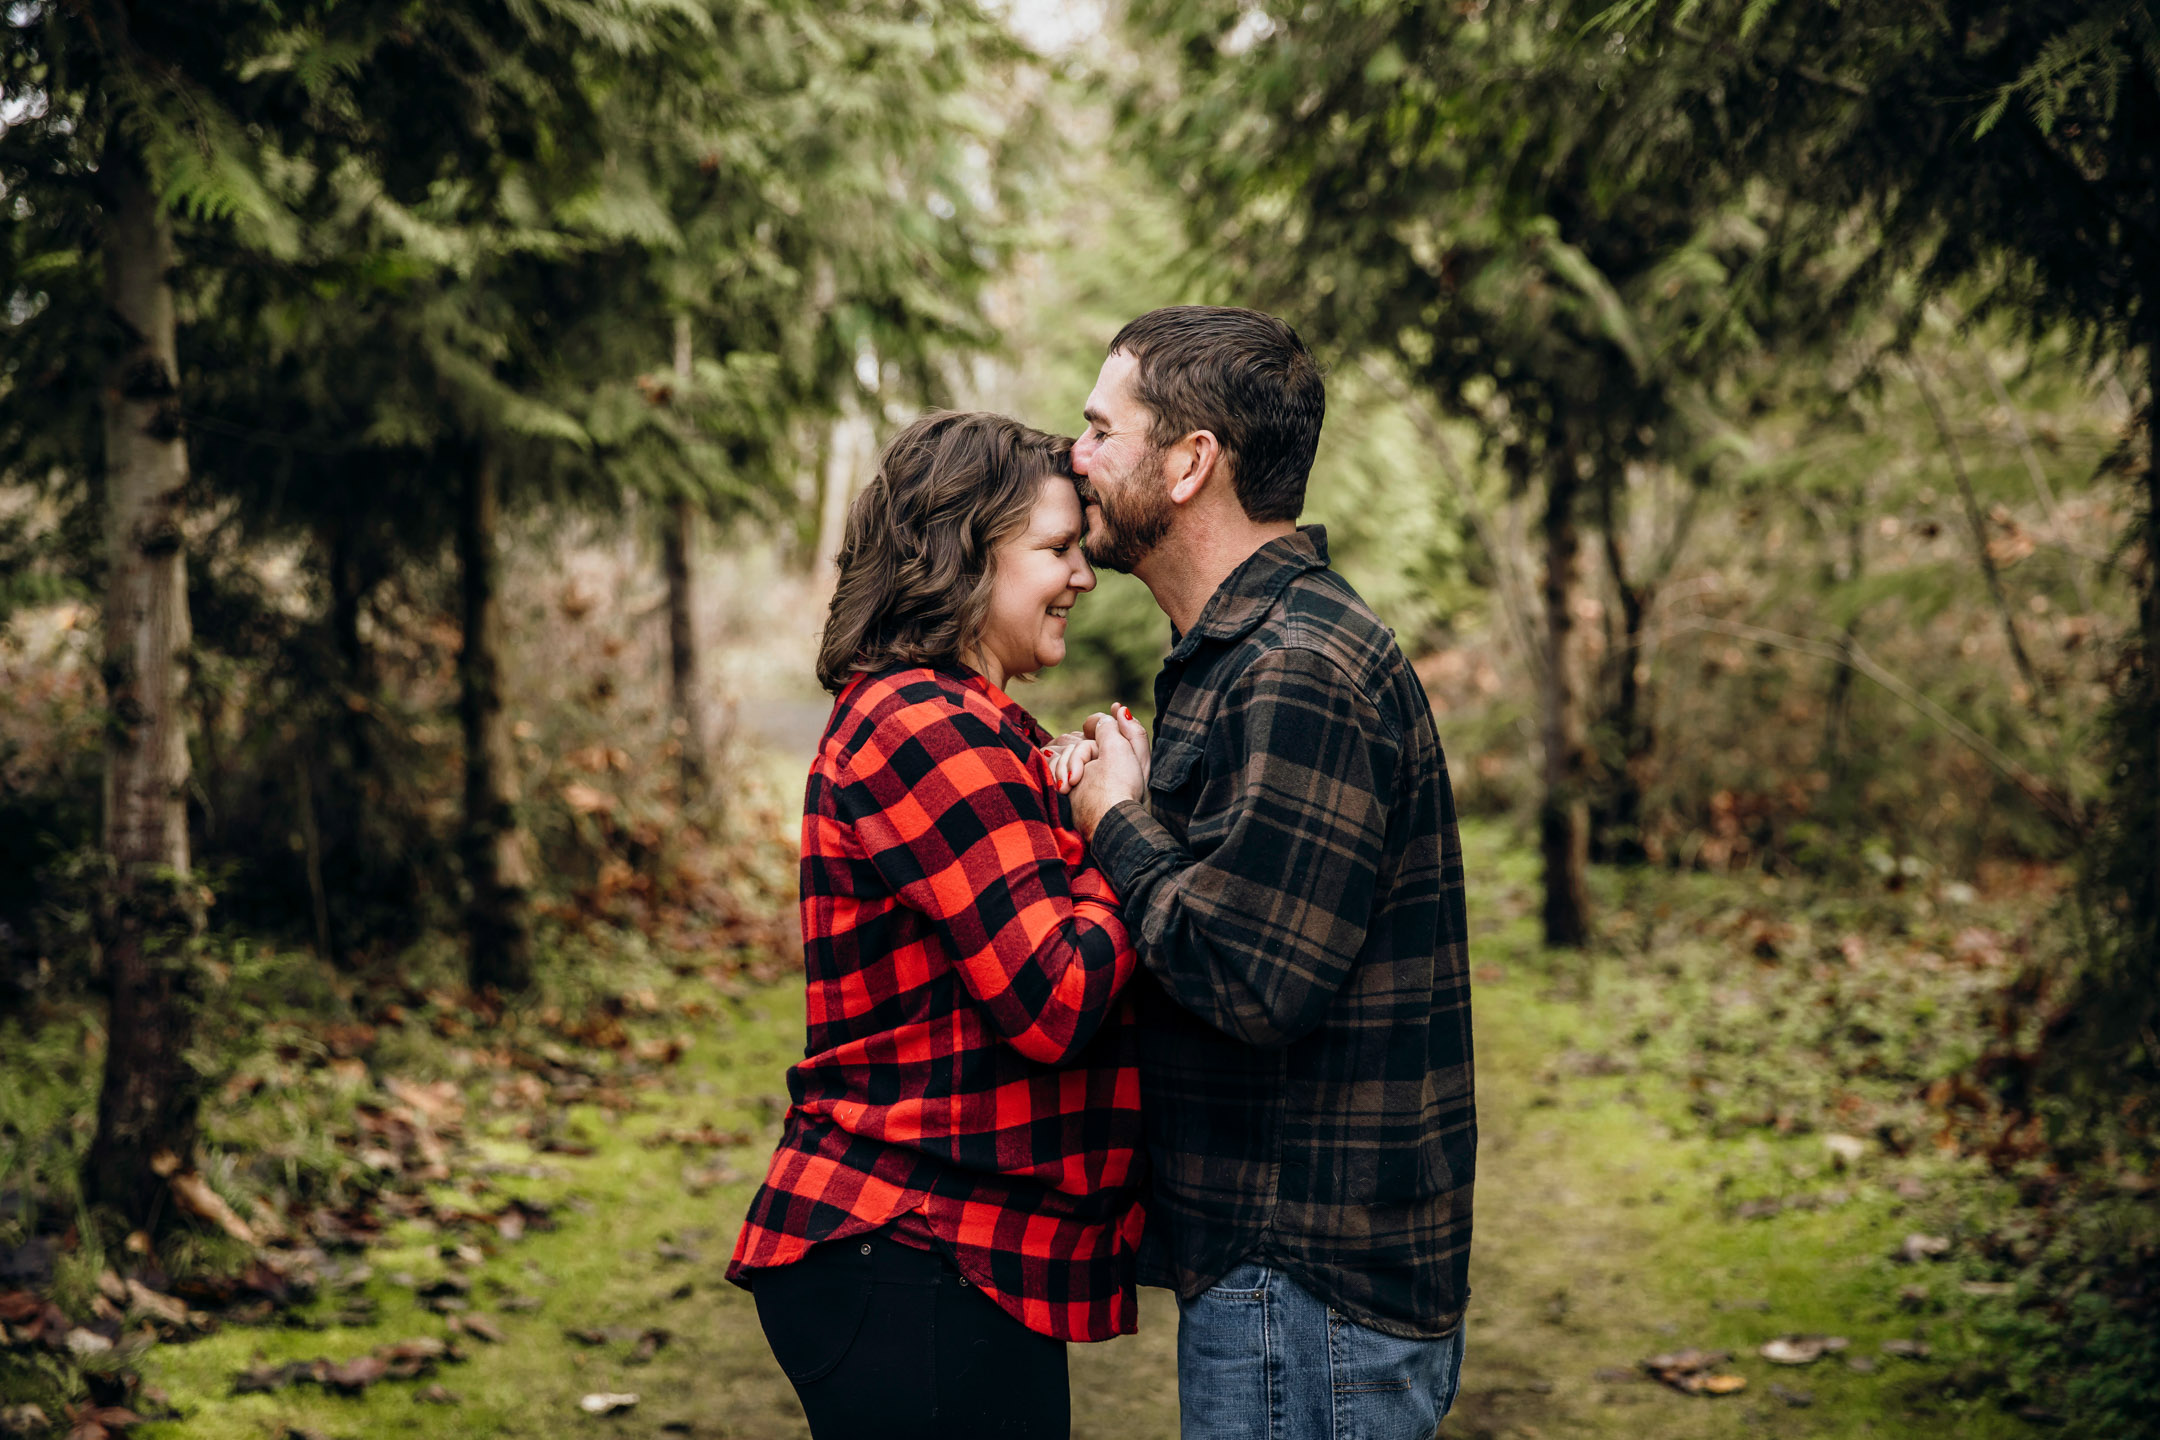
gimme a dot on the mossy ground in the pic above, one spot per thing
(1606, 1232)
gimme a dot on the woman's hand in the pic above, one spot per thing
(1067, 757)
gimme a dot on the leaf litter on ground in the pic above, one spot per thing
(1695, 1372)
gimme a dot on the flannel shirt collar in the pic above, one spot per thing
(1010, 708)
(1249, 593)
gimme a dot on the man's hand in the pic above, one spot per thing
(1117, 771)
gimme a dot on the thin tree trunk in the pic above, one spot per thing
(685, 673)
(348, 771)
(348, 592)
(1563, 816)
(498, 910)
(1623, 818)
(148, 1103)
(2150, 919)
(1839, 704)
(687, 685)
(841, 462)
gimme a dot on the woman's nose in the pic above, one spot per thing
(1083, 574)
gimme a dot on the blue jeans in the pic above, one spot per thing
(1261, 1359)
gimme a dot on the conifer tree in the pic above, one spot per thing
(1376, 173)
(134, 127)
(2009, 149)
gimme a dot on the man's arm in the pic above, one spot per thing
(1257, 938)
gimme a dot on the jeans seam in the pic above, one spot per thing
(1335, 1416)
(1268, 1352)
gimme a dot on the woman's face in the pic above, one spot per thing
(1035, 578)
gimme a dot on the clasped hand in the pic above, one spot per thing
(1101, 763)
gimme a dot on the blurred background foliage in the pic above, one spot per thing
(1741, 410)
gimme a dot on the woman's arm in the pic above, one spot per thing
(959, 826)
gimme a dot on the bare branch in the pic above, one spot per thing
(2033, 685)
(2060, 808)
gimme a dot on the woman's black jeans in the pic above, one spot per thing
(887, 1341)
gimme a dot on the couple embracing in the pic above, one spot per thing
(1189, 1010)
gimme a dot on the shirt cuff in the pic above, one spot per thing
(1128, 843)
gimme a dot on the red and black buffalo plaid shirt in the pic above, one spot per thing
(969, 1067)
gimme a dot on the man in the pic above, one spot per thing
(1287, 856)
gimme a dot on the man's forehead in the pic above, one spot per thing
(1113, 386)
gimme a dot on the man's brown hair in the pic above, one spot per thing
(915, 562)
(1242, 374)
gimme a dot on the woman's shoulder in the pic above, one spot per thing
(935, 709)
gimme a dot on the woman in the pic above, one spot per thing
(954, 1194)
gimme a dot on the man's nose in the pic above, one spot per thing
(1083, 455)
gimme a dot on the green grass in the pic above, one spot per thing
(1608, 1225)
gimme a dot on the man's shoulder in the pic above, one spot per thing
(1320, 611)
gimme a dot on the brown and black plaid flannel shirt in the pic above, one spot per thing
(1294, 885)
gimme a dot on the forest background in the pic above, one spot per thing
(424, 431)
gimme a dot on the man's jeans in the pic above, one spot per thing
(1260, 1359)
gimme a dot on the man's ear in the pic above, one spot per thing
(1193, 462)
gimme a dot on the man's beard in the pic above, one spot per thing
(1131, 526)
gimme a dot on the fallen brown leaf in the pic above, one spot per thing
(143, 1301)
(1694, 1372)
(480, 1327)
(1922, 1247)
(356, 1374)
(198, 1199)
(606, 1403)
(1802, 1349)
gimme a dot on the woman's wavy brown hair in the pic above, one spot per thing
(916, 561)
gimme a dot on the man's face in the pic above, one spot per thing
(1129, 509)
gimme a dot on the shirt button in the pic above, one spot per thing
(866, 1247)
(963, 1282)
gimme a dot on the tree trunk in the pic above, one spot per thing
(1839, 704)
(685, 673)
(686, 680)
(1617, 831)
(342, 825)
(147, 1105)
(2149, 916)
(850, 447)
(498, 910)
(1563, 816)
(349, 587)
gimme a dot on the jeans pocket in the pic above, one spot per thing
(812, 1310)
(1387, 1387)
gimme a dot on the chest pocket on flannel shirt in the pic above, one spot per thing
(1171, 765)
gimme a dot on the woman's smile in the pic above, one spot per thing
(1040, 573)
